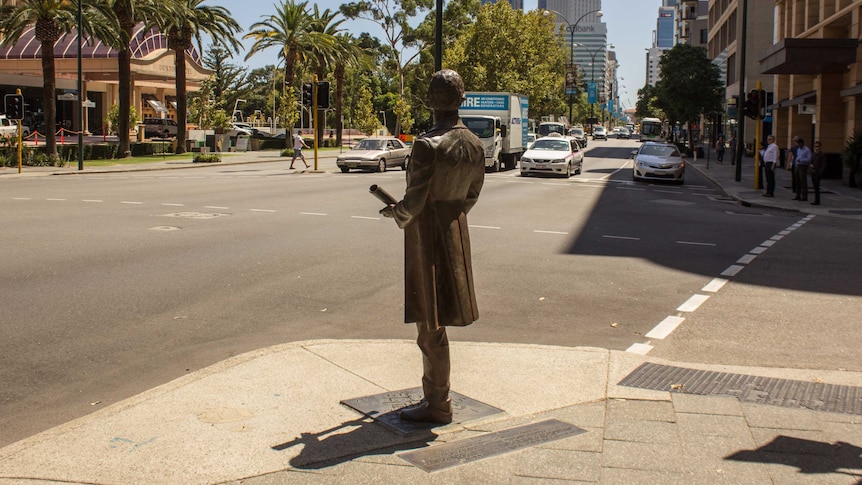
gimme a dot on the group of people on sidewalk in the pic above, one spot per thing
(800, 161)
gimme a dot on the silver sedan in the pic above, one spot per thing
(375, 153)
(658, 161)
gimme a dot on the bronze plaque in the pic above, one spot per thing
(384, 409)
(455, 453)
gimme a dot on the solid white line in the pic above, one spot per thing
(131, 202)
(555, 183)
(312, 213)
(261, 210)
(665, 327)
(173, 204)
(758, 250)
(366, 217)
(695, 243)
(615, 172)
(698, 187)
(669, 191)
(216, 207)
(714, 285)
(767, 243)
(56, 200)
(623, 237)
(630, 188)
(746, 259)
(92, 200)
(551, 232)
(641, 349)
(732, 270)
(483, 227)
(692, 303)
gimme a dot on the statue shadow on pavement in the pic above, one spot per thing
(811, 457)
(349, 440)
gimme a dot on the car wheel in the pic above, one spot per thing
(344, 169)
(580, 168)
(381, 165)
(406, 161)
(496, 167)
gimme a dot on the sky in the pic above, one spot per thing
(630, 27)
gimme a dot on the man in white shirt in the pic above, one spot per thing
(770, 158)
(298, 145)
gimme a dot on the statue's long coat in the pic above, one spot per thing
(444, 176)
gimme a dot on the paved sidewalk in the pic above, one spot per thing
(274, 416)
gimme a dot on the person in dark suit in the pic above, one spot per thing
(818, 166)
(444, 178)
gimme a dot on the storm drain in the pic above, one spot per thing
(788, 393)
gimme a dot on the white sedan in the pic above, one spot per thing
(375, 153)
(555, 155)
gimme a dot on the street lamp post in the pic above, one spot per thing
(571, 28)
(593, 68)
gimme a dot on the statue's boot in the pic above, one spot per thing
(436, 407)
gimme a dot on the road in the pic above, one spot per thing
(116, 283)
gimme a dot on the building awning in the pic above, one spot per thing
(806, 98)
(854, 91)
(172, 100)
(809, 56)
(155, 103)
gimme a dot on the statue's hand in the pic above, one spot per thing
(388, 211)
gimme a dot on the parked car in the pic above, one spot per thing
(555, 155)
(599, 133)
(10, 127)
(375, 153)
(658, 161)
(624, 133)
(577, 132)
(160, 127)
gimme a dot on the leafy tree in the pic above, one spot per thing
(394, 17)
(114, 118)
(190, 19)
(53, 18)
(230, 82)
(646, 104)
(690, 84)
(508, 50)
(365, 118)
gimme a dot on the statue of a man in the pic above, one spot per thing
(444, 177)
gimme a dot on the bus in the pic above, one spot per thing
(651, 129)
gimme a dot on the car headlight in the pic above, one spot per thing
(525, 159)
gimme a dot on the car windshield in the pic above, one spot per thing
(370, 145)
(481, 127)
(659, 151)
(553, 145)
(577, 132)
(547, 129)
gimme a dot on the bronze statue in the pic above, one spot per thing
(444, 177)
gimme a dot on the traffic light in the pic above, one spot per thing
(751, 107)
(14, 106)
(761, 107)
(307, 94)
(323, 94)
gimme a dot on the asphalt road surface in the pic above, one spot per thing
(116, 283)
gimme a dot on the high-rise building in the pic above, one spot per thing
(665, 27)
(590, 37)
(516, 4)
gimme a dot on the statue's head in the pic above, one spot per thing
(446, 92)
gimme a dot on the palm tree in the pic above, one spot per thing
(347, 53)
(129, 14)
(189, 19)
(53, 19)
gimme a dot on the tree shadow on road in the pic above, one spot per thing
(809, 456)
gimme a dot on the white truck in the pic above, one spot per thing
(500, 122)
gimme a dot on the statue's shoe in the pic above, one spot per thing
(423, 412)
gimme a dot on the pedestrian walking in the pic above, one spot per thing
(803, 161)
(298, 145)
(770, 158)
(818, 166)
(719, 148)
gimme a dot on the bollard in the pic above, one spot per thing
(62, 136)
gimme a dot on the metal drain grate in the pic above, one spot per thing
(754, 389)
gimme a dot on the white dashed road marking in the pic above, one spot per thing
(665, 327)
(312, 213)
(627, 238)
(714, 285)
(484, 227)
(551, 232)
(693, 243)
(366, 217)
